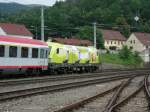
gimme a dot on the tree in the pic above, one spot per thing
(137, 58)
(70, 14)
(125, 53)
(124, 28)
(86, 32)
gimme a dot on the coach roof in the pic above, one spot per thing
(22, 40)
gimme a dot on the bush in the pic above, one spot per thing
(125, 53)
(107, 51)
(137, 58)
(130, 57)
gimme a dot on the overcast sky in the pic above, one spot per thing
(44, 2)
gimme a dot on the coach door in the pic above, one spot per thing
(43, 57)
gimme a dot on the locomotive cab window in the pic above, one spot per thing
(2, 51)
(12, 51)
(34, 52)
(57, 51)
(49, 51)
(46, 53)
(24, 52)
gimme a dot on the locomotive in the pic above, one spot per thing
(29, 56)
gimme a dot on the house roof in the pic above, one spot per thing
(15, 29)
(21, 40)
(112, 35)
(143, 37)
(72, 41)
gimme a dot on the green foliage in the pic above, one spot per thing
(86, 32)
(63, 17)
(137, 58)
(125, 53)
(107, 51)
(115, 59)
(12, 8)
(125, 57)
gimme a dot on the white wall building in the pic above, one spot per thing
(140, 42)
(113, 40)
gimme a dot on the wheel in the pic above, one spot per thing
(29, 71)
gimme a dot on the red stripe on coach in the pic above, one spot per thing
(23, 66)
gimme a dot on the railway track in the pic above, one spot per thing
(144, 85)
(58, 87)
(124, 101)
(113, 105)
(72, 76)
(147, 91)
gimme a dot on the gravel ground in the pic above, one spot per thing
(53, 101)
(96, 106)
(113, 66)
(41, 84)
(131, 87)
(136, 104)
(100, 104)
(149, 81)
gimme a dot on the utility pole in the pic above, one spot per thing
(94, 34)
(42, 23)
(136, 18)
(35, 29)
(36, 35)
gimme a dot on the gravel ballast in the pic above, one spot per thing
(137, 104)
(53, 101)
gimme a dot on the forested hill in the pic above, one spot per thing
(73, 17)
(9, 8)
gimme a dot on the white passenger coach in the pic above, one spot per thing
(22, 55)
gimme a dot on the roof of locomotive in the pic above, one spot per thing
(54, 44)
(11, 39)
(76, 48)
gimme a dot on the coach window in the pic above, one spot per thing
(24, 52)
(2, 51)
(34, 52)
(41, 53)
(12, 51)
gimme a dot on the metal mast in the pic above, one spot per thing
(94, 34)
(42, 23)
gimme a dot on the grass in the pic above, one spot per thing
(115, 59)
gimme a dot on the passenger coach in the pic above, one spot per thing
(22, 55)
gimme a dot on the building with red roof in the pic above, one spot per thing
(113, 40)
(140, 42)
(16, 30)
(72, 41)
